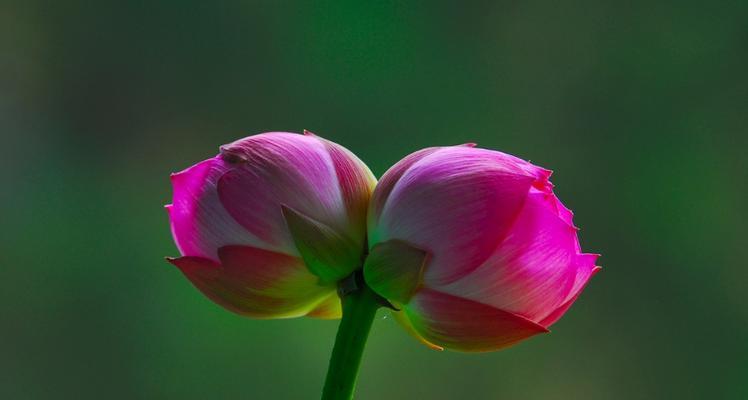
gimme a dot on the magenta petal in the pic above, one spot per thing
(583, 277)
(460, 324)
(199, 222)
(275, 169)
(390, 178)
(534, 270)
(564, 213)
(553, 203)
(256, 282)
(457, 204)
(356, 185)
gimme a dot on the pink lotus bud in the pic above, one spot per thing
(473, 247)
(268, 227)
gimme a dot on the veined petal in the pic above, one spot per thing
(563, 212)
(460, 324)
(356, 185)
(458, 204)
(584, 273)
(389, 179)
(255, 282)
(199, 222)
(280, 168)
(533, 270)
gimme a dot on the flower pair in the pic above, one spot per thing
(469, 245)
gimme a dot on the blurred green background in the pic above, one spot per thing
(640, 108)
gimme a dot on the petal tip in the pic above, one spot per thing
(286, 210)
(231, 155)
(545, 172)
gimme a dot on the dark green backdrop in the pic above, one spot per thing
(641, 110)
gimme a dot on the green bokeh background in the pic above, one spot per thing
(640, 108)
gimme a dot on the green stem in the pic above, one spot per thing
(359, 308)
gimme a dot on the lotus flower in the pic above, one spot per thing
(267, 227)
(473, 248)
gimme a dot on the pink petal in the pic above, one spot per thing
(458, 204)
(255, 282)
(280, 168)
(390, 178)
(580, 282)
(465, 325)
(356, 185)
(199, 222)
(564, 213)
(534, 270)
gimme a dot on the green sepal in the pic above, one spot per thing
(328, 254)
(394, 270)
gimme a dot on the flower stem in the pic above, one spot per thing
(359, 308)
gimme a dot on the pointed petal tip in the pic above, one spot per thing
(286, 209)
(188, 264)
(468, 144)
(591, 257)
(543, 172)
(309, 133)
(588, 261)
(230, 155)
(537, 326)
(289, 213)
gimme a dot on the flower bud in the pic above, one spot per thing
(473, 248)
(267, 227)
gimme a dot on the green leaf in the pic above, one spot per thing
(394, 269)
(328, 254)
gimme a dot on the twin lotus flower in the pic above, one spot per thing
(469, 247)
